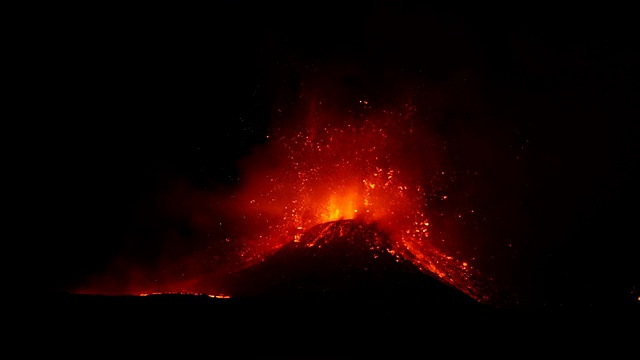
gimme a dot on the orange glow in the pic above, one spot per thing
(339, 167)
(380, 168)
(341, 207)
(186, 293)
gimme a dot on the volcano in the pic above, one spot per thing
(343, 260)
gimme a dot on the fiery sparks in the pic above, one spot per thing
(375, 167)
(369, 168)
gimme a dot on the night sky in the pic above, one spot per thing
(130, 106)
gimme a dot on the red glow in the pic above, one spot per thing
(379, 167)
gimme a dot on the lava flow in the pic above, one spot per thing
(376, 167)
(370, 167)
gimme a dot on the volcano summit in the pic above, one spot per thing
(343, 260)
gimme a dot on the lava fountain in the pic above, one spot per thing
(373, 166)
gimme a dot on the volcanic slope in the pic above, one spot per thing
(342, 261)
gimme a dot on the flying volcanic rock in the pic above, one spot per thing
(342, 260)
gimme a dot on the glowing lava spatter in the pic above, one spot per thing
(369, 168)
(376, 167)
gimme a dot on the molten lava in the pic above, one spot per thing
(344, 260)
(373, 166)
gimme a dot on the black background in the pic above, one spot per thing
(118, 101)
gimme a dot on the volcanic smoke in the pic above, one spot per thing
(371, 165)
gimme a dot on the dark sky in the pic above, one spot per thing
(123, 101)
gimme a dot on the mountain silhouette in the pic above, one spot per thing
(340, 288)
(343, 260)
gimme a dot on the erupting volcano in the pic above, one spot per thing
(363, 179)
(372, 174)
